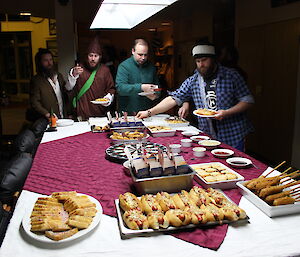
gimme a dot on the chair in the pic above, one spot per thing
(5, 216)
(39, 126)
(13, 176)
(25, 142)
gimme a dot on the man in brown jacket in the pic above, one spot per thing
(47, 88)
(89, 81)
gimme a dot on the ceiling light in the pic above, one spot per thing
(152, 29)
(166, 23)
(126, 14)
(25, 13)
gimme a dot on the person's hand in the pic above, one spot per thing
(148, 87)
(152, 96)
(77, 70)
(108, 103)
(184, 110)
(142, 115)
(221, 114)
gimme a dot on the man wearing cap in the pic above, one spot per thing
(136, 80)
(90, 81)
(215, 87)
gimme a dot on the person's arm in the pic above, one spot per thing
(73, 76)
(163, 106)
(242, 93)
(110, 88)
(239, 107)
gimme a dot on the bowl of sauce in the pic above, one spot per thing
(239, 162)
(222, 153)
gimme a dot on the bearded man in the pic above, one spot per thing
(215, 87)
(47, 88)
(90, 81)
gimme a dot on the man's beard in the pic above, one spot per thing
(209, 72)
(49, 72)
(90, 68)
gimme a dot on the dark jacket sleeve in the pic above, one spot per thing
(35, 96)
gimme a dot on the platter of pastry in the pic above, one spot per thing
(116, 152)
(205, 113)
(128, 136)
(161, 131)
(216, 175)
(176, 121)
(61, 217)
(162, 212)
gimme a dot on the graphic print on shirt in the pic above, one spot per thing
(211, 97)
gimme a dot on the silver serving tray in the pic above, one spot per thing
(127, 233)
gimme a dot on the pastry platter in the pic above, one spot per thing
(126, 232)
(41, 236)
(116, 152)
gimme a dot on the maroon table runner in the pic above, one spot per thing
(78, 163)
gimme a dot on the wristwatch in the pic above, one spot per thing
(149, 113)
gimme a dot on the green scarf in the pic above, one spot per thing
(85, 88)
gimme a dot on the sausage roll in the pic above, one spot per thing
(129, 201)
(135, 219)
(149, 203)
(178, 217)
(199, 196)
(157, 219)
(165, 201)
(182, 200)
(198, 216)
(217, 213)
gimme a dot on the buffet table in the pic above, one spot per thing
(50, 173)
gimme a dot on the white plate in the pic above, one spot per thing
(224, 184)
(271, 211)
(146, 93)
(204, 116)
(64, 122)
(100, 102)
(239, 162)
(199, 138)
(227, 153)
(42, 238)
(209, 143)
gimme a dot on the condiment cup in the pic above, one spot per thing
(199, 138)
(199, 151)
(175, 148)
(186, 142)
(190, 133)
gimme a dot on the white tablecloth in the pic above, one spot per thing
(264, 236)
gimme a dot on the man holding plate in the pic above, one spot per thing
(91, 81)
(217, 88)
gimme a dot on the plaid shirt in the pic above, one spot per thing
(230, 90)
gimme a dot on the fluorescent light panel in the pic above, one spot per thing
(126, 14)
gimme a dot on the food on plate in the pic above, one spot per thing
(57, 236)
(175, 120)
(163, 210)
(129, 201)
(178, 217)
(149, 203)
(214, 173)
(157, 219)
(272, 189)
(205, 112)
(135, 219)
(159, 128)
(102, 99)
(209, 143)
(62, 214)
(96, 128)
(165, 201)
(128, 135)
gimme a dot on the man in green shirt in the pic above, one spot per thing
(136, 80)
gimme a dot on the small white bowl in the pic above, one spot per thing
(239, 162)
(199, 151)
(199, 138)
(175, 148)
(209, 143)
(190, 133)
(186, 142)
(222, 153)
